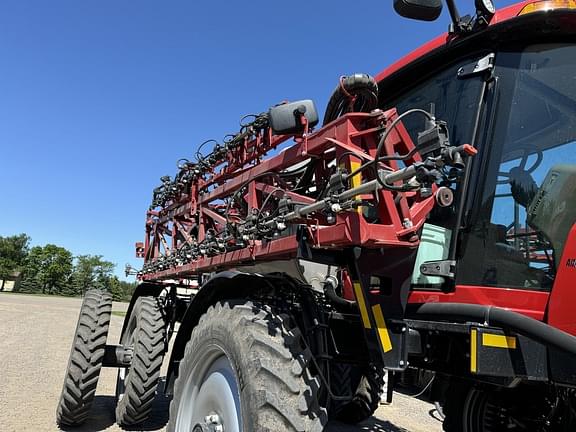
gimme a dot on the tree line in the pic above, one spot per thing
(52, 269)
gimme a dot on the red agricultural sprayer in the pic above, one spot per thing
(429, 222)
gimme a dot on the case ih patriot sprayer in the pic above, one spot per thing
(429, 222)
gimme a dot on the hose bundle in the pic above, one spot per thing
(355, 93)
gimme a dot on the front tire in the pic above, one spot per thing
(85, 359)
(136, 386)
(245, 368)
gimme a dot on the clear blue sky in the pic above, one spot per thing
(99, 98)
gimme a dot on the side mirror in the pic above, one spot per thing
(285, 119)
(422, 10)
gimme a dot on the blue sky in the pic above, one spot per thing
(98, 99)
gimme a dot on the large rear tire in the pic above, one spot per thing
(247, 364)
(85, 359)
(363, 383)
(136, 386)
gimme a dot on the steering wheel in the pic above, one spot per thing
(526, 152)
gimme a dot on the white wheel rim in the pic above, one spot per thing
(210, 389)
(120, 387)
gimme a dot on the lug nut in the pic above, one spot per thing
(212, 419)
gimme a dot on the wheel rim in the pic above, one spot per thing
(210, 395)
(120, 386)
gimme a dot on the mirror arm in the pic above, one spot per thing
(459, 24)
(454, 15)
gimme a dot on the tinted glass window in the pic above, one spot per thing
(454, 100)
(528, 202)
(451, 99)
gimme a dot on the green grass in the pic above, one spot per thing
(119, 313)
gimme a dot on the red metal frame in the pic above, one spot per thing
(202, 208)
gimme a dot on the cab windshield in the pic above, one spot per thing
(528, 197)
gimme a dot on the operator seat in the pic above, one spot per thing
(523, 186)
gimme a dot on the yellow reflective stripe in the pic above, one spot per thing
(362, 305)
(383, 334)
(498, 341)
(473, 350)
(357, 179)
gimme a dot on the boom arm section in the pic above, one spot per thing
(358, 181)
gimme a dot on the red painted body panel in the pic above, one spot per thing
(561, 311)
(529, 303)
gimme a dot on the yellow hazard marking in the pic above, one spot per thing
(357, 179)
(498, 341)
(473, 350)
(362, 305)
(383, 334)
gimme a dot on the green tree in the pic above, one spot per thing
(121, 290)
(13, 252)
(91, 271)
(48, 268)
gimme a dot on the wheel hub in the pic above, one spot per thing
(211, 424)
(211, 401)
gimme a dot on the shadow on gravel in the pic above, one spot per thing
(102, 414)
(375, 425)
(371, 425)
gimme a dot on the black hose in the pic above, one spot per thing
(498, 317)
(355, 93)
(377, 158)
(382, 141)
(330, 291)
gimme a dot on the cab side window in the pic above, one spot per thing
(527, 204)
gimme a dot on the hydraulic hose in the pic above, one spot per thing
(357, 93)
(497, 317)
(329, 286)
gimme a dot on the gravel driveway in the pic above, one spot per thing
(36, 333)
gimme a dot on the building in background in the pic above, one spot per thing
(11, 283)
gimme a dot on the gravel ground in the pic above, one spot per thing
(36, 333)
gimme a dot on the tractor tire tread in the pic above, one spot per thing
(143, 376)
(278, 385)
(366, 394)
(85, 360)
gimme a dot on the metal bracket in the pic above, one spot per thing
(117, 356)
(482, 65)
(304, 251)
(443, 268)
